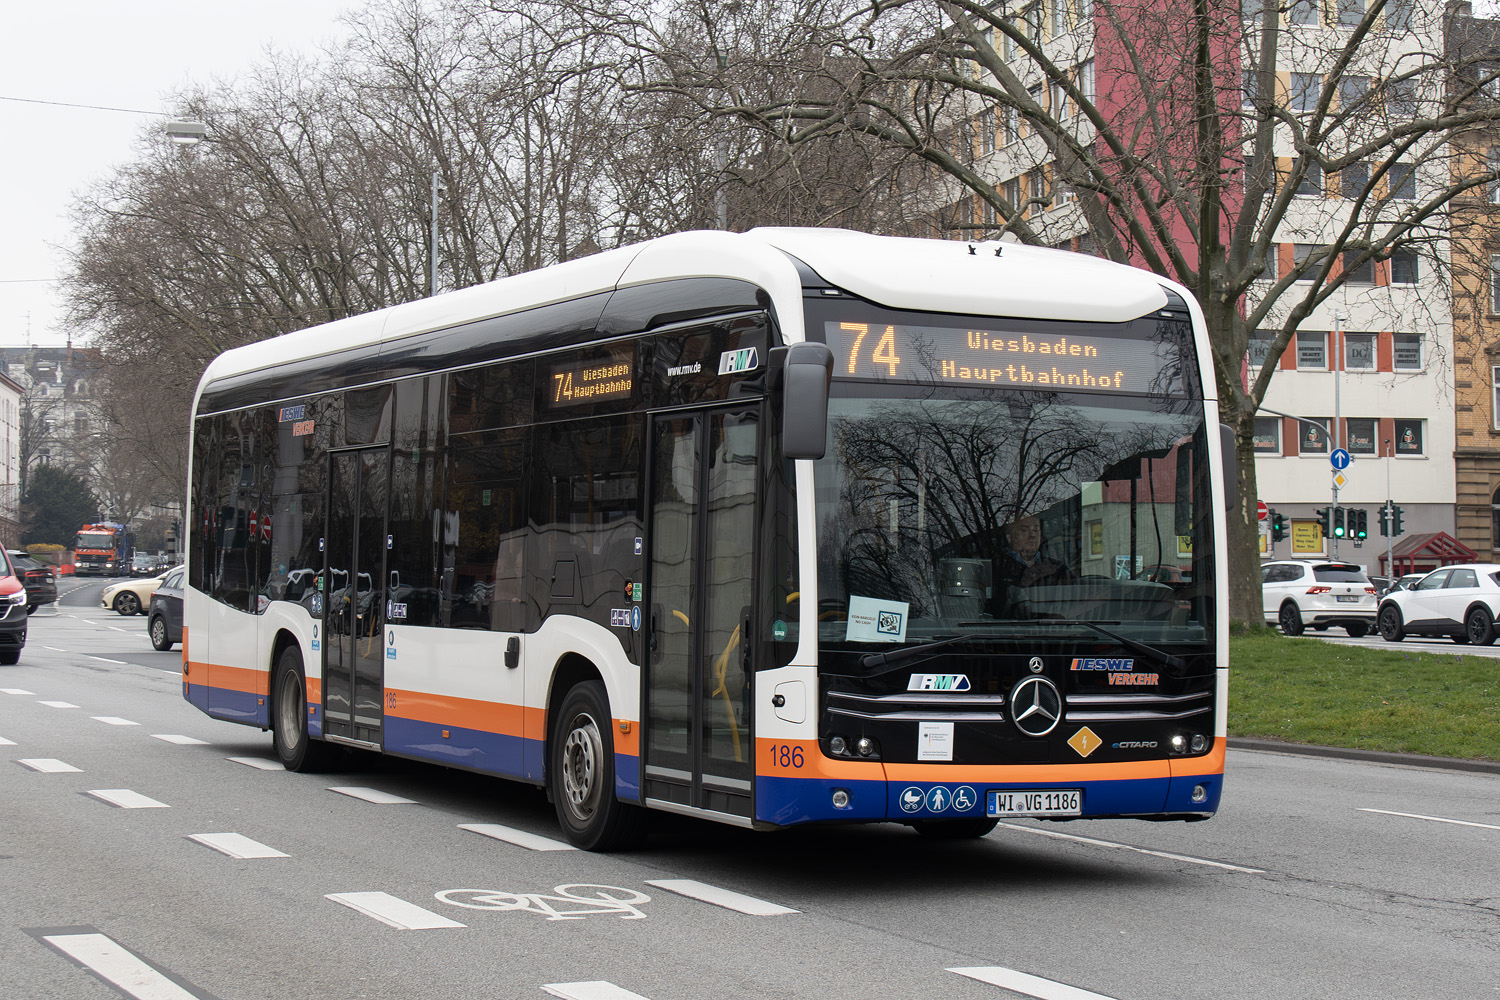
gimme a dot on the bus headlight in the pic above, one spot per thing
(1200, 744)
(1179, 743)
(840, 798)
(1200, 794)
(838, 746)
(867, 747)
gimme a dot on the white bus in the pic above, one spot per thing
(777, 527)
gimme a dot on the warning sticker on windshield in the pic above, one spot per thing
(875, 620)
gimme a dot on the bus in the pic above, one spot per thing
(769, 528)
(104, 549)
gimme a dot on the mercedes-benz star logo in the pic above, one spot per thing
(1035, 706)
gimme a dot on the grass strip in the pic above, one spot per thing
(1309, 691)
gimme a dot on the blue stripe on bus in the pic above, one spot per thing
(799, 800)
(238, 706)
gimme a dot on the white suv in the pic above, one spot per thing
(1298, 595)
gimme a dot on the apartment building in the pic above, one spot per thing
(1371, 368)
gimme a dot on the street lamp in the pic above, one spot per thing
(186, 133)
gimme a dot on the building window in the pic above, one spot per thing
(1398, 14)
(1312, 180)
(1495, 283)
(1305, 259)
(1352, 91)
(1011, 192)
(1268, 435)
(1495, 518)
(1249, 87)
(1495, 393)
(1303, 12)
(1403, 181)
(1063, 194)
(1312, 350)
(1357, 271)
(1086, 76)
(1036, 183)
(1305, 90)
(1401, 99)
(1311, 439)
(1403, 267)
(1351, 12)
(1086, 10)
(1259, 347)
(1059, 101)
(1359, 435)
(1010, 123)
(1059, 21)
(1359, 352)
(1353, 180)
(80, 423)
(1406, 351)
(1409, 437)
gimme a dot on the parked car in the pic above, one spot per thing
(13, 614)
(39, 579)
(1460, 602)
(1298, 594)
(130, 597)
(164, 620)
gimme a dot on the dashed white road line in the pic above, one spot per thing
(392, 910)
(236, 845)
(179, 740)
(121, 968)
(1032, 986)
(6, 743)
(127, 799)
(17, 691)
(727, 898)
(1139, 850)
(374, 795)
(596, 990)
(105, 659)
(1433, 819)
(520, 838)
(259, 763)
(49, 765)
(113, 720)
(58, 704)
(55, 649)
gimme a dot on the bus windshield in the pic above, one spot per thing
(944, 511)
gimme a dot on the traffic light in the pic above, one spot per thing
(1338, 523)
(1385, 522)
(1323, 513)
(1396, 520)
(1278, 527)
(1361, 529)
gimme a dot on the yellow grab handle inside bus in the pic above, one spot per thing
(721, 665)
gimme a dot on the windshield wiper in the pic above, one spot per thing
(1134, 645)
(907, 652)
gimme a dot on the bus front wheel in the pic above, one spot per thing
(294, 748)
(581, 774)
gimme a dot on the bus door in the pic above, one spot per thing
(354, 594)
(698, 749)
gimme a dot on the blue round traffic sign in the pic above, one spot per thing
(1339, 458)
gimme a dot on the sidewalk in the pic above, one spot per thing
(1369, 756)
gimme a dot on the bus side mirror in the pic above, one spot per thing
(1231, 466)
(807, 370)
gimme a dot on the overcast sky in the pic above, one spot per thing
(118, 55)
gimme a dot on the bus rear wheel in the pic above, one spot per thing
(581, 774)
(294, 748)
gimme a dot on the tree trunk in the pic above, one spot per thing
(1243, 524)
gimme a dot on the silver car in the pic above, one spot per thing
(1299, 594)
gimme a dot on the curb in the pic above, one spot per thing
(1368, 756)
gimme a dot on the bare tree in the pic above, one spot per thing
(1196, 140)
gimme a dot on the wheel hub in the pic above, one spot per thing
(582, 754)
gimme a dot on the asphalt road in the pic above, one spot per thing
(1319, 878)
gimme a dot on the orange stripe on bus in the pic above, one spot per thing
(1210, 763)
(770, 754)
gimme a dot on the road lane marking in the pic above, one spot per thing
(598, 989)
(120, 967)
(1433, 819)
(127, 799)
(236, 845)
(6, 743)
(1127, 847)
(58, 704)
(392, 910)
(520, 838)
(113, 720)
(55, 649)
(179, 740)
(1032, 986)
(105, 659)
(727, 898)
(49, 765)
(259, 763)
(18, 691)
(374, 795)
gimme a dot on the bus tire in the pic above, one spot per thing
(294, 748)
(10, 657)
(968, 828)
(581, 774)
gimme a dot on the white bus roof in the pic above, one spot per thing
(994, 279)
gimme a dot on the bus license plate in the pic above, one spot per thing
(1025, 802)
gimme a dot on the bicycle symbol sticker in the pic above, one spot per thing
(570, 902)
